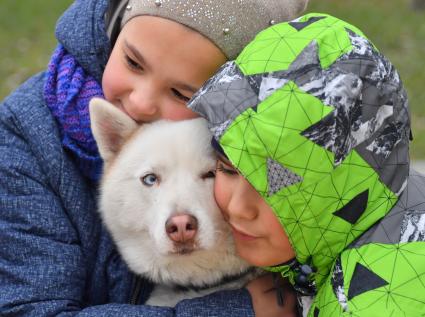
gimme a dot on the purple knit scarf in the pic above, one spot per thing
(67, 92)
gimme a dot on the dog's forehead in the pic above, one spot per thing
(168, 147)
(193, 165)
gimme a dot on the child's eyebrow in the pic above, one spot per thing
(135, 52)
(186, 87)
(223, 159)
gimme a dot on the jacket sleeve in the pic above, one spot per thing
(42, 264)
(225, 303)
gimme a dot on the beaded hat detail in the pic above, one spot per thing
(230, 24)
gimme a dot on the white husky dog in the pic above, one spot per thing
(157, 201)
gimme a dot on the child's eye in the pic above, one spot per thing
(132, 63)
(226, 170)
(179, 95)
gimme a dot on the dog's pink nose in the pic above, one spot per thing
(181, 228)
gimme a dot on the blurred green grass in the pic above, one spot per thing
(27, 40)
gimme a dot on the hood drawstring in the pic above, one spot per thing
(303, 278)
(300, 275)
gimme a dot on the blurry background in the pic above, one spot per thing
(397, 27)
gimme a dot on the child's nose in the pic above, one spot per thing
(143, 106)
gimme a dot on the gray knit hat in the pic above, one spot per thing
(230, 24)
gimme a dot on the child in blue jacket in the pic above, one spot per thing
(56, 257)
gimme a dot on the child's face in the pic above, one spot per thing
(259, 237)
(156, 66)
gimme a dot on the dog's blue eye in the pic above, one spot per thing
(149, 179)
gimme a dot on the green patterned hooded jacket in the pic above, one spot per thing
(317, 120)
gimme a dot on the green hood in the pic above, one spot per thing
(317, 120)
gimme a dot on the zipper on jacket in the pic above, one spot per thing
(137, 288)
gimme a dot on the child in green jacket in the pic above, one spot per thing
(311, 125)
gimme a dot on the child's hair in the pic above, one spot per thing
(230, 24)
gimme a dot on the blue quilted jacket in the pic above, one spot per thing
(56, 259)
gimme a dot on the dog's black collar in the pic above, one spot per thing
(224, 280)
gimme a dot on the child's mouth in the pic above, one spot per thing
(240, 235)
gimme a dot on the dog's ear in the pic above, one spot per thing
(110, 127)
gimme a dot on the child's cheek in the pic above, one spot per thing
(115, 77)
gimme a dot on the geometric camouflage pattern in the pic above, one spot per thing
(317, 120)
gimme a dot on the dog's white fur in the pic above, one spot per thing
(179, 154)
